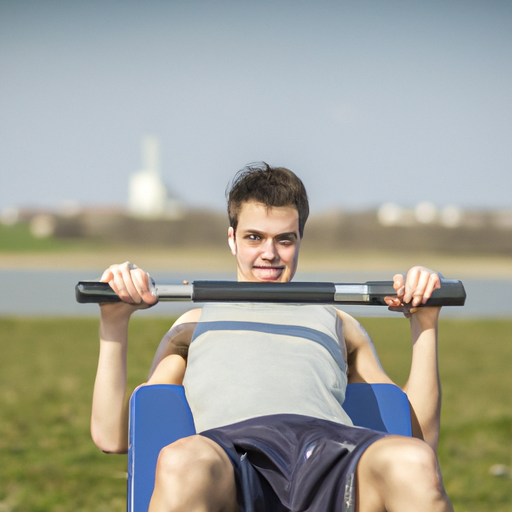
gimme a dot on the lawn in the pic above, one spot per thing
(17, 238)
(47, 370)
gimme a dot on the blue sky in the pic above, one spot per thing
(367, 101)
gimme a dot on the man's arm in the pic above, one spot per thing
(177, 340)
(170, 361)
(363, 362)
(109, 418)
(423, 387)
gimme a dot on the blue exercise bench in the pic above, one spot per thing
(160, 415)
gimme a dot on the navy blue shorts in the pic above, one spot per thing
(288, 462)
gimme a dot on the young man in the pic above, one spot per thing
(268, 405)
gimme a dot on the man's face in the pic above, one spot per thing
(266, 243)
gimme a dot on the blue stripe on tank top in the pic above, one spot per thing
(298, 331)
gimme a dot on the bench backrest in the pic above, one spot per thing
(160, 415)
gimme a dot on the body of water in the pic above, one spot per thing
(52, 293)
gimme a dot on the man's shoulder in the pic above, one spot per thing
(342, 314)
(190, 317)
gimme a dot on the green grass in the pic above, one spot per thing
(18, 239)
(475, 358)
(47, 367)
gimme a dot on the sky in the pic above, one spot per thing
(367, 101)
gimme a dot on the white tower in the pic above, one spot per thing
(148, 195)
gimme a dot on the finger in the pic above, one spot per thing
(142, 281)
(129, 270)
(107, 276)
(411, 282)
(393, 302)
(123, 284)
(409, 311)
(434, 283)
(398, 284)
(421, 285)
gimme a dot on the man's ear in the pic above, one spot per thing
(231, 241)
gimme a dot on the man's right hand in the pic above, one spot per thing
(133, 286)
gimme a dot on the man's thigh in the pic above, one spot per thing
(398, 473)
(196, 472)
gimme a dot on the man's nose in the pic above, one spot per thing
(269, 250)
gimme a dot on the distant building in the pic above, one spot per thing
(424, 213)
(148, 195)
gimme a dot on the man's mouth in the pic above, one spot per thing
(267, 273)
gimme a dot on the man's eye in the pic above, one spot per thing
(253, 238)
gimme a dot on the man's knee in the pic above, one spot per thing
(192, 458)
(194, 473)
(403, 463)
(417, 465)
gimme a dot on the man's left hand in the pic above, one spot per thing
(416, 289)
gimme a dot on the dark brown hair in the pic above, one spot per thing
(270, 186)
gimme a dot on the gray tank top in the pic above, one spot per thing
(250, 360)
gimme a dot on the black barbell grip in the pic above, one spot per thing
(451, 293)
